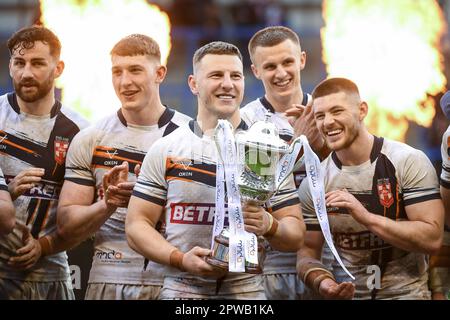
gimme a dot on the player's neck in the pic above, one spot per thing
(147, 116)
(208, 121)
(359, 151)
(40, 107)
(281, 104)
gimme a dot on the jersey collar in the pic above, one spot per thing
(162, 121)
(376, 150)
(195, 128)
(12, 99)
(266, 104)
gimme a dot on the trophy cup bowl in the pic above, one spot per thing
(259, 151)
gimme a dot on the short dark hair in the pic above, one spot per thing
(136, 45)
(216, 47)
(335, 85)
(271, 36)
(26, 38)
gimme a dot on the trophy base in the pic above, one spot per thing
(224, 265)
(253, 270)
(219, 257)
(216, 263)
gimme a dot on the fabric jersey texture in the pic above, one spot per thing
(181, 177)
(440, 263)
(395, 177)
(3, 185)
(276, 262)
(95, 151)
(28, 141)
(445, 155)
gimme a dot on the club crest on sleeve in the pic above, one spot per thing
(385, 192)
(61, 146)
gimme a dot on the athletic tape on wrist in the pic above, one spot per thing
(176, 259)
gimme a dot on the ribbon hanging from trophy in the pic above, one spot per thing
(240, 240)
(219, 216)
(316, 185)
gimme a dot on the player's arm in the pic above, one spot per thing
(315, 275)
(445, 194)
(284, 228)
(140, 228)
(422, 232)
(445, 175)
(424, 228)
(62, 238)
(145, 210)
(142, 237)
(309, 266)
(7, 212)
(78, 217)
(289, 235)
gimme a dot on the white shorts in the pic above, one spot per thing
(11, 289)
(111, 291)
(286, 286)
(171, 294)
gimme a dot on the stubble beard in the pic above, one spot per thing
(42, 90)
(353, 135)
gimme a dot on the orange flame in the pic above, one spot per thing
(390, 49)
(88, 29)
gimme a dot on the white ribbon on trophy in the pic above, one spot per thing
(240, 241)
(316, 185)
(219, 215)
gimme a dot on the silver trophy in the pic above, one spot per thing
(264, 162)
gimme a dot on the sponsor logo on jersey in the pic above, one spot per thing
(3, 136)
(109, 255)
(385, 192)
(108, 157)
(183, 162)
(194, 213)
(358, 241)
(44, 189)
(17, 147)
(112, 153)
(188, 170)
(61, 146)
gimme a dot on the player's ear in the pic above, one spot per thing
(192, 82)
(255, 72)
(161, 72)
(302, 60)
(363, 110)
(59, 68)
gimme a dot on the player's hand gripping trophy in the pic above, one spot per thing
(252, 165)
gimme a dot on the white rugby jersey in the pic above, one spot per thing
(396, 176)
(442, 261)
(276, 261)
(181, 177)
(28, 141)
(445, 155)
(95, 151)
(3, 185)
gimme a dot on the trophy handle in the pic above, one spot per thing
(289, 162)
(218, 145)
